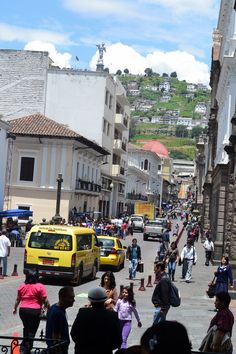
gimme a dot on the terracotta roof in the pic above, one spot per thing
(157, 147)
(39, 125)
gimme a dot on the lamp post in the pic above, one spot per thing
(111, 199)
(57, 218)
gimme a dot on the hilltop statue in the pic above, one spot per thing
(101, 49)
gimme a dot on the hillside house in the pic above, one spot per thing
(191, 87)
(200, 108)
(164, 86)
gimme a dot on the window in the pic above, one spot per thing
(110, 102)
(145, 164)
(82, 175)
(88, 172)
(92, 174)
(49, 241)
(104, 125)
(84, 242)
(106, 97)
(27, 169)
(77, 170)
(142, 165)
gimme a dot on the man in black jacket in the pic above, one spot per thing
(133, 254)
(96, 329)
(161, 294)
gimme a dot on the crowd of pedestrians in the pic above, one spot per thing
(108, 315)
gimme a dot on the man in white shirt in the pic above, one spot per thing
(188, 258)
(209, 248)
(5, 246)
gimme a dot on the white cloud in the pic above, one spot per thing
(120, 56)
(13, 33)
(59, 59)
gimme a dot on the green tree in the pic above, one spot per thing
(148, 72)
(197, 131)
(132, 128)
(181, 131)
(126, 71)
(165, 75)
(173, 74)
(119, 72)
(106, 70)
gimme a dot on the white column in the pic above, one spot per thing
(52, 179)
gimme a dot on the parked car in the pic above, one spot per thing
(154, 229)
(138, 223)
(112, 253)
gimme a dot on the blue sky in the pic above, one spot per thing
(166, 35)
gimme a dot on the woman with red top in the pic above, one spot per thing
(32, 296)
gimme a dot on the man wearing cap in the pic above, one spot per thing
(95, 329)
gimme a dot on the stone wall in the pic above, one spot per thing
(22, 82)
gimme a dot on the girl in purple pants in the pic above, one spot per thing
(124, 307)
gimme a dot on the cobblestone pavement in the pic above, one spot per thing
(195, 312)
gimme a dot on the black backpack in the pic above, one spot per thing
(175, 299)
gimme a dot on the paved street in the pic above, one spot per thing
(195, 311)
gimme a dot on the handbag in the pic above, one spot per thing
(211, 289)
(206, 344)
(43, 314)
(140, 267)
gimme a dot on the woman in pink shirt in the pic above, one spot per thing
(32, 296)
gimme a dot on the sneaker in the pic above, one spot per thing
(187, 281)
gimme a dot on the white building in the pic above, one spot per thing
(42, 150)
(5, 167)
(144, 177)
(191, 87)
(200, 108)
(91, 103)
(164, 86)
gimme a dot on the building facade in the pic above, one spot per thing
(93, 104)
(5, 137)
(42, 150)
(219, 197)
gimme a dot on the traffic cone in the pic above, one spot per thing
(149, 283)
(15, 347)
(1, 276)
(142, 287)
(14, 273)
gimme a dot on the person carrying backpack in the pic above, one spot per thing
(162, 293)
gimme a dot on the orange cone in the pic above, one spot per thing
(15, 347)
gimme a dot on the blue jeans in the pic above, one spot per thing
(158, 316)
(132, 268)
(171, 269)
(3, 261)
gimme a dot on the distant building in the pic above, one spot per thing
(164, 86)
(133, 92)
(191, 87)
(200, 108)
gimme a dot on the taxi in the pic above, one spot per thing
(112, 253)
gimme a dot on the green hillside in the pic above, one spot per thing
(179, 140)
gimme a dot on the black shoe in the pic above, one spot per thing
(187, 281)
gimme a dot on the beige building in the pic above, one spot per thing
(42, 149)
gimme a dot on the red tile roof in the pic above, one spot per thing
(39, 125)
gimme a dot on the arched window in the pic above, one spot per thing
(146, 164)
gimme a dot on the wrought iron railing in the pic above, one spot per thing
(12, 344)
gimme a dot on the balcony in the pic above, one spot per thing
(117, 146)
(134, 196)
(121, 122)
(117, 170)
(87, 186)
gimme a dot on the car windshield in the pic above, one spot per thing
(136, 219)
(106, 243)
(44, 240)
(155, 223)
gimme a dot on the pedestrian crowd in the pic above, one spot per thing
(109, 315)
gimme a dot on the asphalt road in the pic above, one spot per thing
(195, 312)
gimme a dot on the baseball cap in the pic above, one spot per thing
(97, 295)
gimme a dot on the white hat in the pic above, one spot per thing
(97, 295)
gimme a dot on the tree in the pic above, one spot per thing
(148, 72)
(126, 71)
(197, 131)
(181, 131)
(106, 70)
(119, 72)
(132, 128)
(173, 74)
(165, 75)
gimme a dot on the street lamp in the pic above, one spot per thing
(57, 218)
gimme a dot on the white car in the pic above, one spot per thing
(138, 223)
